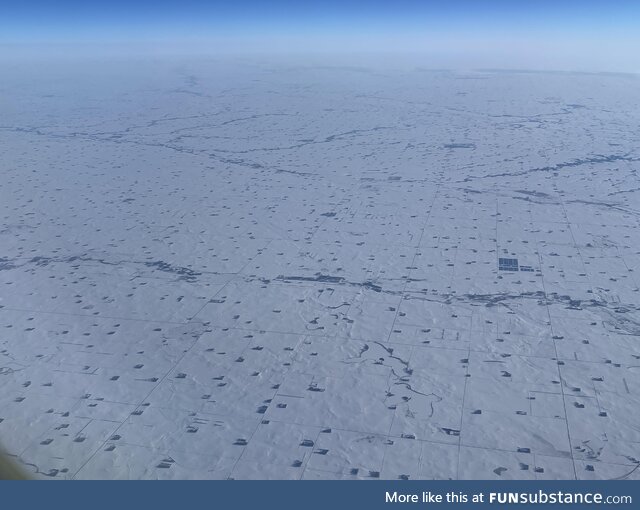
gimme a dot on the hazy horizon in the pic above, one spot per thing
(573, 36)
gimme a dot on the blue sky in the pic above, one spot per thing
(606, 32)
(171, 18)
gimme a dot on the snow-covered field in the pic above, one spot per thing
(214, 270)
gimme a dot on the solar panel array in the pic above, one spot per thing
(507, 264)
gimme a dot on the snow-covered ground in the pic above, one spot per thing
(214, 270)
